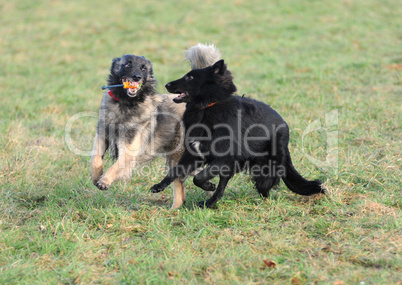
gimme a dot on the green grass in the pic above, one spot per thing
(304, 58)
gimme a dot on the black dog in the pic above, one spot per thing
(230, 134)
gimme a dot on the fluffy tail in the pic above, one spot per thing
(202, 56)
(295, 182)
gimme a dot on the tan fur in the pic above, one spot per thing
(179, 196)
(149, 140)
(96, 161)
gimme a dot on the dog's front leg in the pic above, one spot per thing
(174, 173)
(215, 168)
(179, 195)
(187, 164)
(100, 146)
(121, 169)
(223, 181)
(129, 156)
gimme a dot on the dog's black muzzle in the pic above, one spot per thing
(168, 86)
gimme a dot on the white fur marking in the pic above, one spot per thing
(197, 145)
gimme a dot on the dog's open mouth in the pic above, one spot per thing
(181, 97)
(132, 87)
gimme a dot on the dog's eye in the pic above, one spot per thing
(189, 77)
(143, 68)
(127, 65)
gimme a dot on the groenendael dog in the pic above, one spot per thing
(228, 134)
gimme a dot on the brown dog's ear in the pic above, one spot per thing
(219, 67)
(150, 68)
(115, 65)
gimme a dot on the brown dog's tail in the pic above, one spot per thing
(202, 56)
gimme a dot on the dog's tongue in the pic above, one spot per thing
(182, 95)
(134, 85)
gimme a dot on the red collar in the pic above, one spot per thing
(209, 105)
(112, 95)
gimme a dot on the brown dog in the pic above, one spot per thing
(136, 124)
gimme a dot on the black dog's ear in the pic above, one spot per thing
(219, 67)
(115, 64)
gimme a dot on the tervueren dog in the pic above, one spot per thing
(226, 134)
(136, 124)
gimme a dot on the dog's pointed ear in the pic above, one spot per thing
(219, 67)
(115, 64)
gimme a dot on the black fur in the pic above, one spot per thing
(232, 135)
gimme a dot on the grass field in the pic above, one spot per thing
(334, 66)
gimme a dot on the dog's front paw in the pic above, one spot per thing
(157, 188)
(95, 177)
(203, 204)
(209, 203)
(102, 184)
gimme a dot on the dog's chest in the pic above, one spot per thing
(196, 147)
(123, 124)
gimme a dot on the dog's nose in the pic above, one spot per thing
(137, 77)
(167, 85)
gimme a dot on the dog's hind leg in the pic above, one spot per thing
(265, 183)
(179, 196)
(265, 176)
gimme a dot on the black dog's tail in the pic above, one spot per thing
(295, 182)
(202, 56)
